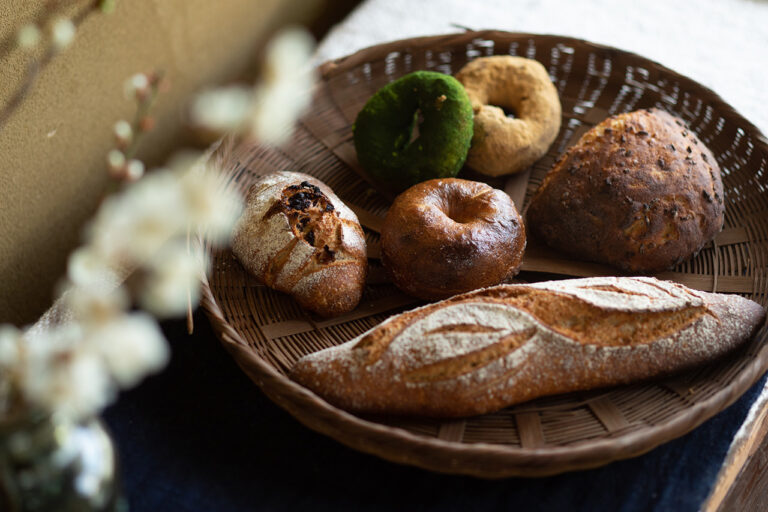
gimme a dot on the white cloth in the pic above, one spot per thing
(722, 44)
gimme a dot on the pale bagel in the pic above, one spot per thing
(502, 145)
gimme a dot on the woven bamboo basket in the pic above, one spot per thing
(266, 332)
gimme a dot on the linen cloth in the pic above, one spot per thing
(722, 44)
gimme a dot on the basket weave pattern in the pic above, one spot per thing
(267, 332)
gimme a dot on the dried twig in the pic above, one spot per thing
(123, 167)
(46, 15)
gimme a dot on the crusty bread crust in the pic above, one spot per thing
(638, 191)
(298, 237)
(448, 236)
(485, 350)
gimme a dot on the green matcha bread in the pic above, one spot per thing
(389, 150)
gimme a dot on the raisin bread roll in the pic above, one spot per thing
(297, 237)
(638, 191)
(482, 351)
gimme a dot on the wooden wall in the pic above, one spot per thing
(52, 150)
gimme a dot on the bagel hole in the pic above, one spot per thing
(418, 118)
(508, 111)
(460, 215)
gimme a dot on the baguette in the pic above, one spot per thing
(484, 350)
(298, 237)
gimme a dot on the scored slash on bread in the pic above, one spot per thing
(482, 351)
(296, 236)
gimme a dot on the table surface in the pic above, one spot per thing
(200, 436)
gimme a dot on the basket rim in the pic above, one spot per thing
(378, 439)
(332, 67)
(568, 457)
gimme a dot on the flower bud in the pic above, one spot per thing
(28, 36)
(62, 33)
(123, 132)
(137, 86)
(116, 164)
(146, 124)
(134, 170)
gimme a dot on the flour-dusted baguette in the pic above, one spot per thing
(484, 350)
(298, 237)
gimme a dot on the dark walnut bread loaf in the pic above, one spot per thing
(482, 351)
(638, 192)
(297, 237)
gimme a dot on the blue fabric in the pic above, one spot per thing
(201, 437)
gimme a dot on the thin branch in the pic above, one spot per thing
(34, 68)
(144, 108)
(32, 71)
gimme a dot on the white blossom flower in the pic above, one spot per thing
(136, 85)
(123, 131)
(87, 268)
(275, 110)
(74, 368)
(288, 53)
(285, 91)
(96, 305)
(61, 375)
(223, 109)
(10, 359)
(62, 33)
(130, 227)
(80, 388)
(212, 207)
(173, 280)
(268, 110)
(134, 170)
(116, 163)
(10, 337)
(131, 346)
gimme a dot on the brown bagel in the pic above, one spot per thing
(448, 236)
